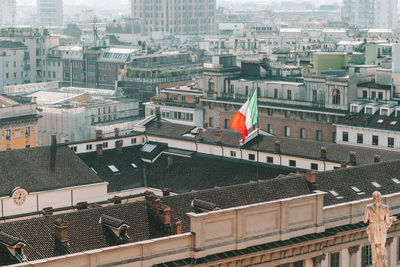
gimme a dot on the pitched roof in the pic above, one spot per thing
(30, 169)
(377, 121)
(11, 44)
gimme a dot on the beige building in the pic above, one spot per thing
(195, 17)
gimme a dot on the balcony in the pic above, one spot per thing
(168, 102)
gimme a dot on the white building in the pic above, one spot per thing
(13, 63)
(8, 12)
(50, 12)
(376, 14)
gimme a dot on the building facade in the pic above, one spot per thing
(14, 63)
(8, 11)
(18, 120)
(371, 13)
(196, 17)
(50, 12)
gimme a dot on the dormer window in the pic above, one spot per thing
(14, 245)
(354, 109)
(384, 112)
(117, 227)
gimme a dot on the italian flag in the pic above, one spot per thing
(246, 117)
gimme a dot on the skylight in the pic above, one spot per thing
(134, 165)
(148, 148)
(113, 169)
(355, 188)
(393, 123)
(334, 193)
(94, 170)
(380, 121)
(376, 184)
(396, 180)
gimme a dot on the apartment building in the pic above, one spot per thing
(38, 43)
(183, 17)
(14, 64)
(8, 11)
(50, 12)
(370, 13)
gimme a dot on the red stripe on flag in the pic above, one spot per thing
(238, 123)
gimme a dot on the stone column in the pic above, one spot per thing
(391, 251)
(345, 258)
(353, 254)
(308, 263)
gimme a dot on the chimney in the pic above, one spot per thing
(170, 161)
(352, 158)
(166, 192)
(218, 137)
(47, 211)
(178, 227)
(81, 205)
(277, 147)
(117, 199)
(99, 149)
(53, 152)
(158, 113)
(61, 231)
(343, 165)
(118, 145)
(311, 177)
(116, 132)
(377, 158)
(99, 134)
(323, 153)
(200, 134)
(165, 214)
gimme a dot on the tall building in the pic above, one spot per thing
(50, 12)
(195, 17)
(7, 12)
(379, 14)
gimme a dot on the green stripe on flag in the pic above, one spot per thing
(253, 107)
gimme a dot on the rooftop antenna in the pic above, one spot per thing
(95, 35)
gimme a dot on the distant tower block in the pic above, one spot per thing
(396, 69)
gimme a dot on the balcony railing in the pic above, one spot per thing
(169, 102)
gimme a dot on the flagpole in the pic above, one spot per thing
(258, 147)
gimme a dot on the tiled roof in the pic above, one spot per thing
(185, 174)
(11, 44)
(372, 121)
(30, 169)
(85, 231)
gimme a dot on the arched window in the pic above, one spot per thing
(336, 97)
(211, 85)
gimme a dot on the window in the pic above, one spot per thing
(183, 98)
(73, 148)
(133, 140)
(366, 259)
(303, 115)
(365, 94)
(89, 147)
(8, 134)
(354, 109)
(384, 112)
(318, 117)
(336, 97)
(292, 163)
(269, 128)
(287, 114)
(360, 138)
(275, 93)
(233, 153)
(210, 122)
(314, 166)
(318, 136)
(247, 90)
(380, 95)
(390, 142)
(334, 259)
(105, 144)
(27, 131)
(252, 157)
(287, 131)
(226, 122)
(271, 112)
(373, 94)
(368, 110)
(270, 159)
(375, 140)
(289, 94)
(302, 133)
(345, 136)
